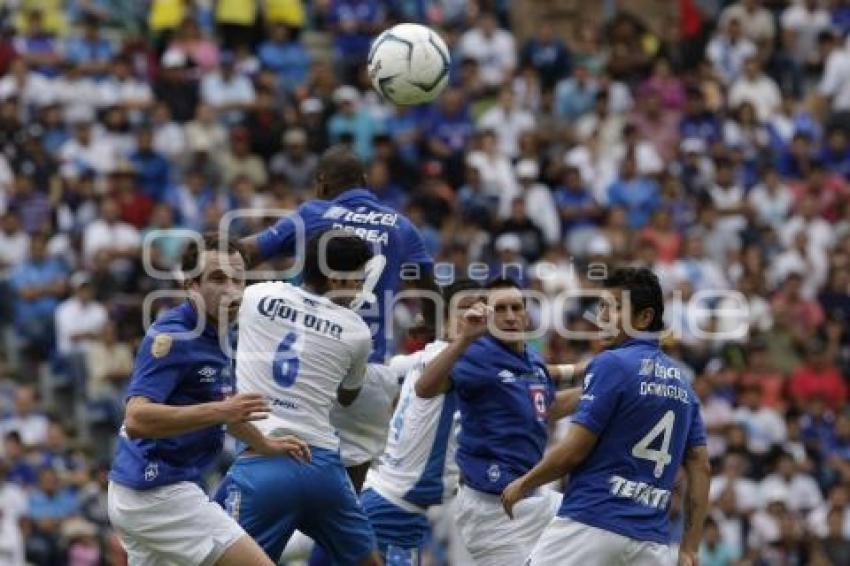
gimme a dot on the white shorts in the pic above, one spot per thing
(363, 425)
(172, 525)
(491, 537)
(566, 542)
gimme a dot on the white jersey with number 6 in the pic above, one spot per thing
(297, 349)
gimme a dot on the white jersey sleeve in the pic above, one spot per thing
(297, 349)
(418, 465)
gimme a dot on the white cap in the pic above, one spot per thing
(174, 58)
(527, 169)
(476, 160)
(693, 145)
(311, 105)
(346, 93)
(599, 245)
(508, 242)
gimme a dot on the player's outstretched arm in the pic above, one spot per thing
(270, 445)
(698, 477)
(436, 377)
(147, 419)
(557, 463)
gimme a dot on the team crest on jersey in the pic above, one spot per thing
(647, 365)
(151, 471)
(494, 473)
(587, 379)
(538, 401)
(161, 345)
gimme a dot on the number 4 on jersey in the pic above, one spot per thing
(660, 457)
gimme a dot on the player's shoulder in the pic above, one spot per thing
(181, 319)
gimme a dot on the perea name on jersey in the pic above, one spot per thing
(367, 217)
(278, 308)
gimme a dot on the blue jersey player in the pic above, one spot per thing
(637, 423)
(344, 202)
(174, 427)
(507, 398)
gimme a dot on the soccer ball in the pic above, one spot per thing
(409, 64)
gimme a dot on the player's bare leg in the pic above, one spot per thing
(357, 475)
(244, 552)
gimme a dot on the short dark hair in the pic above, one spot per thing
(502, 282)
(339, 170)
(644, 292)
(210, 241)
(343, 252)
(460, 285)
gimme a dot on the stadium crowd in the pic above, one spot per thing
(713, 147)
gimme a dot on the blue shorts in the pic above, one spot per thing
(271, 497)
(400, 533)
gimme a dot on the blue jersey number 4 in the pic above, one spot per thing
(285, 363)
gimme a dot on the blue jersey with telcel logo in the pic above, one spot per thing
(174, 368)
(646, 415)
(504, 398)
(359, 211)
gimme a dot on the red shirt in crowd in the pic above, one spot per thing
(809, 382)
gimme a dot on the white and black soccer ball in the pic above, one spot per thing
(409, 64)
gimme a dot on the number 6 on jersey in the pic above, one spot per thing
(285, 364)
(662, 456)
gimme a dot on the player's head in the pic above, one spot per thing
(335, 264)
(638, 290)
(339, 170)
(215, 274)
(510, 317)
(457, 298)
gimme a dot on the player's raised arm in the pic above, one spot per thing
(436, 377)
(566, 400)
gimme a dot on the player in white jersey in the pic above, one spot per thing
(302, 348)
(417, 469)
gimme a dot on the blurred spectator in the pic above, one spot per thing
(508, 120)
(547, 54)
(228, 92)
(120, 239)
(39, 282)
(175, 87)
(728, 50)
(637, 194)
(85, 151)
(818, 378)
(295, 163)
(576, 95)
(14, 244)
(239, 161)
(204, 133)
(90, 52)
(79, 319)
(286, 56)
(756, 22)
(27, 419)
(352, 121)
(50, 503)
(152, 168)
(757, 88)
(493, 48)
(13, 501)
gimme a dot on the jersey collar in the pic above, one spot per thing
(359, 193)
(499, 344)
(648, 342)
(191, 314)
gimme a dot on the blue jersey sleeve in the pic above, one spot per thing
(158, 369)
(467, 373)
(696, 433)
(414, 248)
(601, 393)
(282, 239)
(278, 239)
